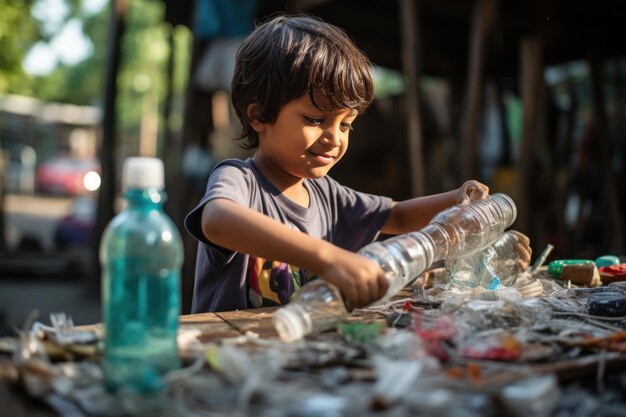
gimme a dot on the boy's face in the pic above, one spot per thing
(304, 141)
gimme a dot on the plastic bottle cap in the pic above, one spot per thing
(292, 322)
(143, 172)
(607, 260)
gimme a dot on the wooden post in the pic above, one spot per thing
(108, 145)
(612, 232)
(410, 54)
(180, 197)
(531, 84)
(482, 23)
(563, 171)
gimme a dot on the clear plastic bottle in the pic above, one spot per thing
(454, 233)
(491, 267)
(315, 307)
(141, 255)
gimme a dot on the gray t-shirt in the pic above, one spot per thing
(227, 280)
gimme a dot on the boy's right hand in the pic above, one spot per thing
(359, 279)
(471, 191)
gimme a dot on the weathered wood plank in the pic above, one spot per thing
(258, 321)
(211, 326)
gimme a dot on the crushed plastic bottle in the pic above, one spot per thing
(315, 307)
(454, 233)
(490, 268)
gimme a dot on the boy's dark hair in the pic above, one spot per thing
(288, 56)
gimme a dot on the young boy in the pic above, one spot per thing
(269, 224)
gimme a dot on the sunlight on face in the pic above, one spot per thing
(305, 140)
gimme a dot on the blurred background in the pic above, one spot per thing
(527, 96)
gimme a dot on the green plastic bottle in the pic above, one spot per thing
(555, 268)
(141, 256)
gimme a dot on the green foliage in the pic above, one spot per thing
(145, 52)
(17, 33)
(83, 83)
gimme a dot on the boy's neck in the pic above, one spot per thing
(299, 195)
(291, 187)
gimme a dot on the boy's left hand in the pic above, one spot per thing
(472, 190)
(523, 249)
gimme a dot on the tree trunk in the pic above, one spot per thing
(410, 58)
(108, 146)
(482, 24)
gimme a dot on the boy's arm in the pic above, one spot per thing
(233, 226)
(414, 214)
(410, 215)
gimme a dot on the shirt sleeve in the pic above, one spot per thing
(232, 180)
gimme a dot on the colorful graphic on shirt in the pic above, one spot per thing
(272, 283)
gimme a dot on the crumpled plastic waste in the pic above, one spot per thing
(435, 332)
(501, 346)
(397, 378)
(534, 396)
(252, 373)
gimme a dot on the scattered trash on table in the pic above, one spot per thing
(427, 351)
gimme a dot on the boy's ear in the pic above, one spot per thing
(254, 116)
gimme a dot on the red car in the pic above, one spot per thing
(65, 175)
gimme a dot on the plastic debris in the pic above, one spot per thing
(395, 379)
(360, 332)
(607, 303)
(457, 356)
(536, 396)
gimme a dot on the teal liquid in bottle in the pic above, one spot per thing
(141, 255)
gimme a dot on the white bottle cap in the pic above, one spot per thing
(292, 322)
(143, 172)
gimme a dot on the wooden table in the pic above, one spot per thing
(216, 327)
(213, 327)
(15, 402)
